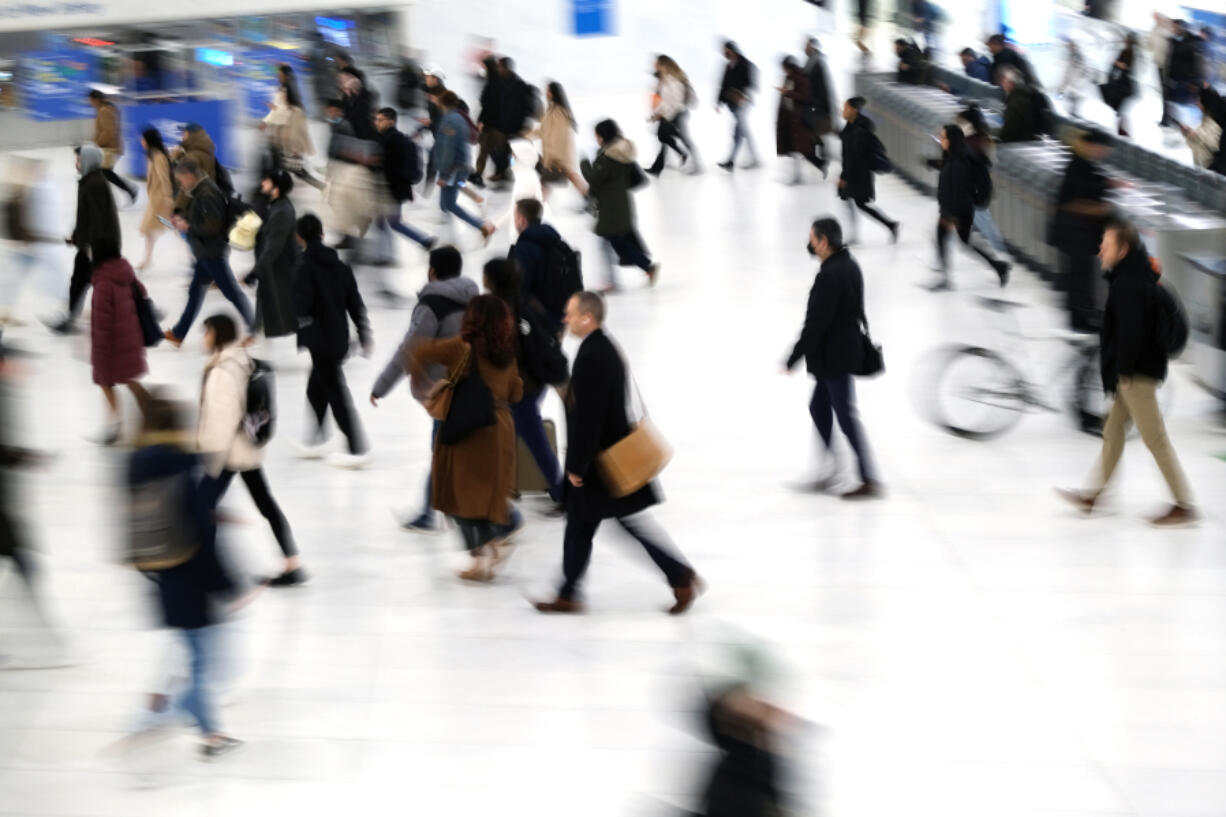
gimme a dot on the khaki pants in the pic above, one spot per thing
(1136, 402)
(109, 158)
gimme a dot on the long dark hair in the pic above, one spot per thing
(503, 279)
(285, 73)
(488, 327)
(560, 100)
(153, 142)
(957, 140)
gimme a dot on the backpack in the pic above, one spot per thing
(260, 419)
(413, 168)
(1171, 324)
(981, 182)
(540, 349)
(161, 532)
(1044, 123)
(879, 162)
(222, 177)
(562, 278)
(441, 306)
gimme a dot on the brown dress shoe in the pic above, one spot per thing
(558, 605)
(685, 596)
(869, 490)
(171, 339)
(1078, 499)
(1177, 516)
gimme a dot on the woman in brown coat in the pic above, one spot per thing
(160, 191)
(795, 134)
(472, 479)
(557, 132)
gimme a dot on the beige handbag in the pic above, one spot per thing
(636, 459)
(242, 235)
(438, 400)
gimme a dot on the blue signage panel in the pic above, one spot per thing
(592, 18)
(170, 118)
(257, 72)
(55, 84)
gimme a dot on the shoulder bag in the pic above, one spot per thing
(636, 459)
(872, 362)
(438, 400)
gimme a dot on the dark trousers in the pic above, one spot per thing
(1166, 98)
(865, 207)
(257, 486)
(833, 397)
(494, 145)
(669, 133)
(326, 388)
(947, 226)
(212, 271)
(476, 533)
(113, 178)
(577, 550)
(531, 429)
(1079, 270)
(82, 275)
(428, 509)
(630, 250)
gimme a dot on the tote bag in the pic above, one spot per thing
(636, 459)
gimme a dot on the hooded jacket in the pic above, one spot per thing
(198, 146)
(1128, 345)
(326, 297)
(97, 224)
(427, 325)
(205, 213)
(530, 255)
(608, 179)
(117, 345)
(223, 404)
(955, 188)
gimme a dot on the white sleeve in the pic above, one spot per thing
(221, 414)
(672, 97)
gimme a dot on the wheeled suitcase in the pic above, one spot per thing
(528, 477)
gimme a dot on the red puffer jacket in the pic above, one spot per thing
(118, 347)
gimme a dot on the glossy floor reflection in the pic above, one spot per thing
(966, 646)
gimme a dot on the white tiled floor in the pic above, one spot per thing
(967, 646)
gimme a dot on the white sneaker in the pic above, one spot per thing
(306, 451)
(348, 462)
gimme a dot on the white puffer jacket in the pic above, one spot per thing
(223, 404)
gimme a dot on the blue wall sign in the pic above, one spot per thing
(214, 115)
(257, 72)
(592, 18)
(55, 84)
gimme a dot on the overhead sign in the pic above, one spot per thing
(592, 18)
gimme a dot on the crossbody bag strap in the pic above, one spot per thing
(462, 366)
(630, 380)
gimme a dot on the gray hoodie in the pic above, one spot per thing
(425, 324)
(91, 158)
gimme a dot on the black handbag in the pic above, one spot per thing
(472, 407)
(149, 329)
(872, 361)
(637, 178)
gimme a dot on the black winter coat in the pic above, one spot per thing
(955, 188)
(326, 296)
(206, 220)
(830, 341)
(1128, 345)
(738, 81)
(97, 225)
(516, 106)
(276, 254)
(1019, 125)
(187, 593)
(1184, 61)
(360, 113)
(1077, 232)
(912, 66)
(1009, 58)
(397, 148)
(859, 142)
(595, 420)
(530, 255)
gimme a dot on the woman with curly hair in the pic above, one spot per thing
(472, 477)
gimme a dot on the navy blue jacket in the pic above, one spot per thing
(530, 255)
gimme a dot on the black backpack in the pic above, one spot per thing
(1171, 323)
(880, 161)
(414, 170)
(563, 277)
(260, 419)
(981, 182)
(161, 531)
(540, 349)
(472, 406)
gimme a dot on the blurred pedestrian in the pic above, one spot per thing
(832, 346)
(736, 89)
(473, 475)
(117, 343)
(203, 219)
(1120, 86)
(1134, 364)
(1021, 119)
(159, 189)
(1076, 82)
(288, 128)
(108, 135)
(31, 212)
(1159, 43)
(95, 234)
(557, 133)
(226, 444)
(326, 298)
(980, 146)
(596, 419)
(451, 159)
(1205, 139)
(437, 315)
(912, 64)
(976, 66)
(676, 96)
(549, 269)
(819, 112)
(492, 140)
(857, 183)
(609, 180)
(1006, 55)
(795, 134)
(1077, 228)
(276, 259)
(401, 170)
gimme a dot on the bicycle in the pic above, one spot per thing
(981, 393)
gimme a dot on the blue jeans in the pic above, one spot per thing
(531, 429)
(986, 226)
(216, 271)
(428, 509)
(740, 132)
(407, 230)
(448, 202)
(836, 397)
(201, 646)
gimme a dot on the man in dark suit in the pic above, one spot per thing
(833, 351)
(596, 420)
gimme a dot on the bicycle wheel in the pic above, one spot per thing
(1089, 403)
(979, 394)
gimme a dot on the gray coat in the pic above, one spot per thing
(425, 324)
(276, 253)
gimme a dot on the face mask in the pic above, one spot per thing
(655, 74)
(809, 246)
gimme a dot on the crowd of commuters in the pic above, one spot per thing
(480, 364)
